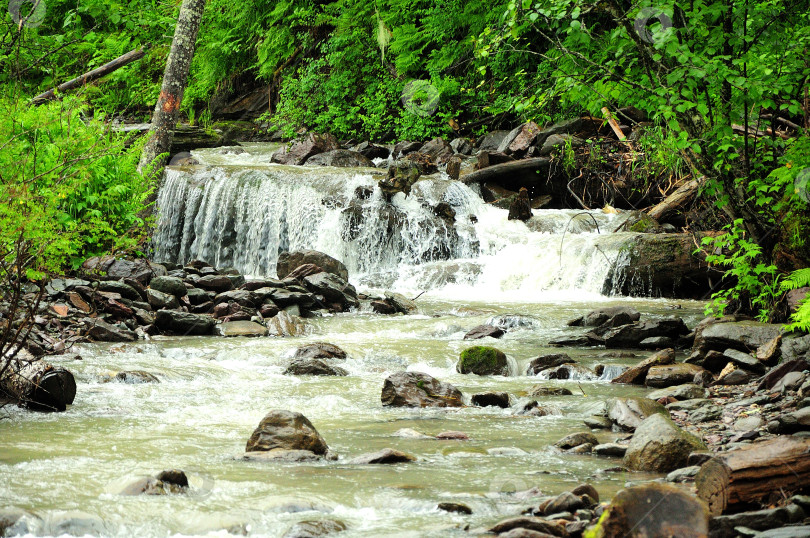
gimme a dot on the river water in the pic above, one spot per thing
(69, 468)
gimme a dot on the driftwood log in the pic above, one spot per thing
(743, 477)
(39, 385)
(678, 199)
(90, 76)
(529, 173)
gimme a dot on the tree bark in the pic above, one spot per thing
(178, 64)
(748, 475)
(90, 76)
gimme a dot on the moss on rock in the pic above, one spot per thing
(482, 360)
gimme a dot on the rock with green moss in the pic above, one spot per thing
(482, 360)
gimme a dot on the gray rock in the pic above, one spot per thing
(401, 303)
(120, 288)
(342, 158)
(576, 439)
(597, 422)
(158, 299)
(741, 335)
(286, 430)
(655, 510)
(705, 413)
(680, 392)
(484, 331)
(614, 450)
(169, 284)
(215, 283)
(684, 474)
(101, 331)
(183, 323)
(629, 413)
(240, 328)
(659, 445)
(315, 529)
(759, 520)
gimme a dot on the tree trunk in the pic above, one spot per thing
(175, 77)
(39, 385)
(748, 475)
(90, 76)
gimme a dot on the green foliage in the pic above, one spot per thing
(68, 185)
(801, 319)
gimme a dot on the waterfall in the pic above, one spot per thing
(242, 215)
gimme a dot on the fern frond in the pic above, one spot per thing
(797, 279)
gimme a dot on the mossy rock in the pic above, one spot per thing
(482, 360)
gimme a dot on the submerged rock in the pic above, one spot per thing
(164, 483)
(315, 529)
(384, 456)
(417, 389)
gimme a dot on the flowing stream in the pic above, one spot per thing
(68, 468)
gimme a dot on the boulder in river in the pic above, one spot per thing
(576, 439)
(299, 151)
(544, 362)
(660, 265)
(601, 316)
(417, 389)
(342, 158)
(491, 399)
(482, 360)
(630, 336)
(319, 350)
(401, 177)
(743, 336)
(334, 289)
(654, 510)
(314, 367)
(484, 331)
(38, 385)
(172, 481)
(289, 261)
(660, 446)
(286, 430)
(101, 331)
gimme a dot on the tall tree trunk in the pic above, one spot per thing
(175, 78)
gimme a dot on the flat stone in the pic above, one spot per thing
(384, 456)
(576, 439)
(614, 450)
(240, 328)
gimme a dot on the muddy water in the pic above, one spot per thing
(214, 391)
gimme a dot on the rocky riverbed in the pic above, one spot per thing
(452, 398)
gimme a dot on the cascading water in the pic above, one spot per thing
(242, 214)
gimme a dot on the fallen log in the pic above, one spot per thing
(742, 477)
(90, 76)
(39, 385)
(682, 196)
(528, 173)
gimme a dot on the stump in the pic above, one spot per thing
(39, 385)
(741, 477)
